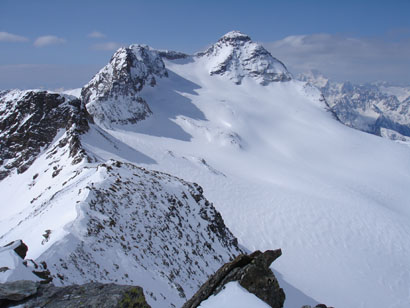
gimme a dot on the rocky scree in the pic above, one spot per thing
(155, 223)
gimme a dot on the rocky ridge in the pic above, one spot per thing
(29, 123)
(252, 272)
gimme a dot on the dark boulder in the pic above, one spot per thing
(252, 272)
(19, 248)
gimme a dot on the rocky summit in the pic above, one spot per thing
(235, 55)
(112, 96)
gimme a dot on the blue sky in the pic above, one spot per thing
(56, 43)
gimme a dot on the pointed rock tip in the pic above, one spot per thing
(235, 35)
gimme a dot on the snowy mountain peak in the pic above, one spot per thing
(235, 37)
(111, 97)
(236, 56)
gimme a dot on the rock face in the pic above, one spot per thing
(112, 96)
(141, 227)
(236, 56)
(29, 122)
(30, 294)
(367, 107)
(252, 272)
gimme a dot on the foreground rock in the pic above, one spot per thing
(32, 294)
(252, 272)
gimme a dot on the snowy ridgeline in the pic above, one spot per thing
(102, 197)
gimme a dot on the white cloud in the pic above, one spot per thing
(48, 40)
(9, 37)
(107, 46)
(96, 34)
(346, 58)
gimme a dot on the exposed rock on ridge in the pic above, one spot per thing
(29, 122)
(142, 227)
(236, 56)
(252, 272)
(112, 96)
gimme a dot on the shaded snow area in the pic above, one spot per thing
(233, 296)
(270, 157)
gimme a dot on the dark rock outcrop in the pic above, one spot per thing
(29, 122)
(252, 272)
(19, 248)
(32, 294)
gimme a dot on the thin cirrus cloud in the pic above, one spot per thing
(9, 37)
(96, 34)
(346, 58)
(47, 40)
(108, 46)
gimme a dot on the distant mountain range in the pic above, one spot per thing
(377, 108)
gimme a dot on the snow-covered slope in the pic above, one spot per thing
(234, 296)
(96, 220)
(276, 164)
(285, 174)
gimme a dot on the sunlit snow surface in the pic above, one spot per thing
(282, 172)
(233, 296)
